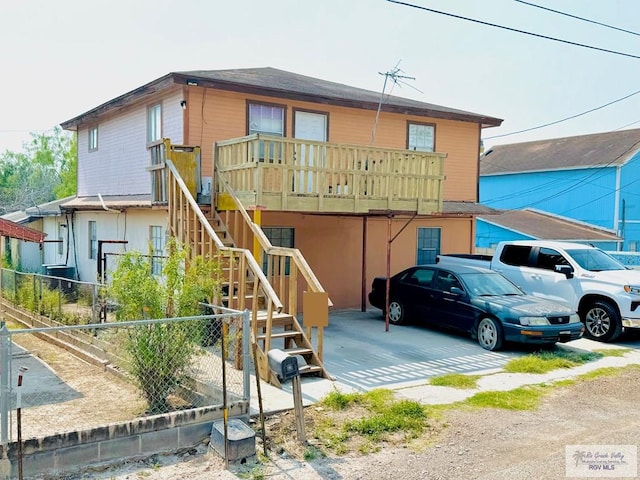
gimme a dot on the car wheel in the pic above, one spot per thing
(489, 334)
(602, 322)
(397, 313)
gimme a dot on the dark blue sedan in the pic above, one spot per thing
(475, 300)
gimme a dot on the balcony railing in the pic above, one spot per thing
(303, 175)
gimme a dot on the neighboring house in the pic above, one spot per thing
(593, 179)
(530, 224)
(258, 159)
(36, 257)
(13, 235)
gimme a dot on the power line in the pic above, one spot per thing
(515, 30)
(578, 18)
(564, 119)
(627, 125)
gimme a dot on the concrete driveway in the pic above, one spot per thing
(358, 352)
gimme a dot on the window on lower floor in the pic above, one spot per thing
(61, 231)
(156, 239)
(93, 239)
(421, 137)
(428, 245)
(279, 237)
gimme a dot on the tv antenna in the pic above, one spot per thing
(396, 76)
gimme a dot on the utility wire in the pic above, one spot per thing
(576, 17)
(515, 30)
(564, 119)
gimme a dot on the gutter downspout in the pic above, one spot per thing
(105, 206)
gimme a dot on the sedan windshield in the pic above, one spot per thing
(489, 284)
(595, 260)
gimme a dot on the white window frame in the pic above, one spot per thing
(61, 231)
(156, 240)
(93, 139)
(263, 118)
(92, 234)
(421, 137)
(154, 123)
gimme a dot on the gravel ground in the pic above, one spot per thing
(474, 444)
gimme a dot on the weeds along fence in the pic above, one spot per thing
(64, 300)
(77, 377)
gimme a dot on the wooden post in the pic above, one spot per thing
(298, 408)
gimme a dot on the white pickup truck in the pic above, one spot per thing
(604, 292)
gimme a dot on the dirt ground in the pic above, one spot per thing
(466, 444)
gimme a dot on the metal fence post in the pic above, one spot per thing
(246, 355)
(5, 370)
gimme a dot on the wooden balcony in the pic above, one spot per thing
(301, 175)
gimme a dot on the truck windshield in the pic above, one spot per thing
(489, 284)
(595, 260)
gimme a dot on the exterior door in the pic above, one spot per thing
(428, 245)
(309, 126)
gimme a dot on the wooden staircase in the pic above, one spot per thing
(271, 298)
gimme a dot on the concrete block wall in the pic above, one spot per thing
(72, 452)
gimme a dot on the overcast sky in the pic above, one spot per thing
(61, 58)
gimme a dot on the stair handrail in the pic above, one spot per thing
(251, 261)
(266, 245)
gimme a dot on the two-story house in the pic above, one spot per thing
(314, 179)
(592, 179)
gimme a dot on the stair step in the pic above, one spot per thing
(309, 369)
(277, 320)
(285, 334)
(298, 351)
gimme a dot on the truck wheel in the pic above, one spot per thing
(489, 334)
(602, 322)
(397, 314)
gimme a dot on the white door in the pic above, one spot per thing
(309, 126)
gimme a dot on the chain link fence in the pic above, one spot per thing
(75, 377)
(63, 300)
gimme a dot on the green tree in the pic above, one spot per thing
(43, 171)
(161, 353)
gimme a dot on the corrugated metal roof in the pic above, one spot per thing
(549, 227)
(584, 151)
(14, 230)
(279, 83)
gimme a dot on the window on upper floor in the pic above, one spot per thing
(421, 137)
(267, 119)
(93, 139)
(154, 123)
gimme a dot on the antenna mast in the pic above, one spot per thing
(395, 75)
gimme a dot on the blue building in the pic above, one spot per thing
(592, 179)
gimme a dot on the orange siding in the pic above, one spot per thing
(333, 248)
(216, 115)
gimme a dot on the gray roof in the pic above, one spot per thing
(32, 213)
(544, 226)
(281, 84)
(466, 208)
(584, 151)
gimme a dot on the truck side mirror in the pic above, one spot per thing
(567, 270)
